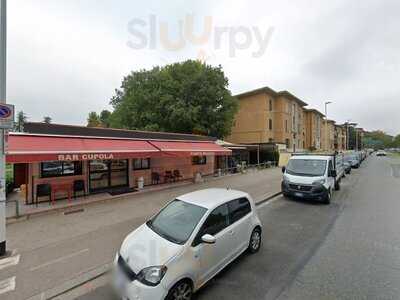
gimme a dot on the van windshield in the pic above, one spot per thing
(306, 167)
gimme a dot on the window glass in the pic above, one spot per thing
(216, 221)
(52, 169)
(60, 168)
(238, 209)
(177, 221)
(141, 163)
(98, 165)
(199, 160)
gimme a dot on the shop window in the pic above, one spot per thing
(141, 164)
(199, 160)
(60, 168)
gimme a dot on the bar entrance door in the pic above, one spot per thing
(107, 174)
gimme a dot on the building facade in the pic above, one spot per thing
(60, 157)
(314, 121)
(267, 117)
(328, 135)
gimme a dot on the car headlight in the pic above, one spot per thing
(318, 182)
(152, 275)
(285, 179)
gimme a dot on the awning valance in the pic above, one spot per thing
(35, 148)
(190, 148)
(26, 148)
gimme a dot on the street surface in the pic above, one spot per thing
(348, 250)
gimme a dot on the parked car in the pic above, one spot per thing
(312, 176)
(353, 158)
(347, 167)
(186, 244)
(381, 153)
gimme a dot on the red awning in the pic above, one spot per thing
(190, 148)
(25, 148)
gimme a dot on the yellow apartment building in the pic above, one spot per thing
(328, 135)
(267, 118)
(340, 137)
(314, 123)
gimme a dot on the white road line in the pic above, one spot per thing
(58, 260)
(9, 261)
(7, 285)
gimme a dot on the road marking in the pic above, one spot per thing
(7, 285)
(9, 261)
(58, 260)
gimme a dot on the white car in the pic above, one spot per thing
(381, 153)
(186, 244)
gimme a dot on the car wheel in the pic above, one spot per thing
(183, 290)
(255, 241)
(328, 197)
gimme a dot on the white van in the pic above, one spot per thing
(313, 176)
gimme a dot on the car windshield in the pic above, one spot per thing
(306, 167)
(177, 221)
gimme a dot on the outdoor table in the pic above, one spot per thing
(61, 187)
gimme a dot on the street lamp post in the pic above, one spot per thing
(326, 125)
(3, 63)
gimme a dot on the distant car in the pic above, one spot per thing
(381, 153)
(347, 167)
(353, 159)
(186, 244)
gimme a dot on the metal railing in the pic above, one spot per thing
(244, 168)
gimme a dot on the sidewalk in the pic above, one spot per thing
(26, 211)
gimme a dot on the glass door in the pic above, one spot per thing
(99, 176)
(119, 173)
(106, 174)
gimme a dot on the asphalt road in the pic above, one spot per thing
(348, 250)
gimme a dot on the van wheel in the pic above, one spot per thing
(328, 197)
(255, 241)
(337, 185)
(183, 290)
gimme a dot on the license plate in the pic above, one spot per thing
(299, 194)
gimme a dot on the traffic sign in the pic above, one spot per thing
(6, 116)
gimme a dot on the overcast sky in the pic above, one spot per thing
(66, 57)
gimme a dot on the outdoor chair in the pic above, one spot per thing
(43, 190)
(177, 175)
(79, 186)
(155, 178)
(168, 176)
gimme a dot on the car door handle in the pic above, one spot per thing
(231, 232)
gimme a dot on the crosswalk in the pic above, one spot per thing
(9, 284)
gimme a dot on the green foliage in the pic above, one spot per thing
(47, 120)
(188, 97)
(379, 140)
(105, 116)
(21, 120)
(93, 120)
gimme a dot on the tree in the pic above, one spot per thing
(105, 118)
(93, 120)
(47, 120)
(188, 97)
(21, 120)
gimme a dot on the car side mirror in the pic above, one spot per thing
(283, 169)
(208, 239)
(333, 173)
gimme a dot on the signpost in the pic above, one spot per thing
(7, 119)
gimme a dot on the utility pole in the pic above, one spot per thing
(3, 70)
(326, 125)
